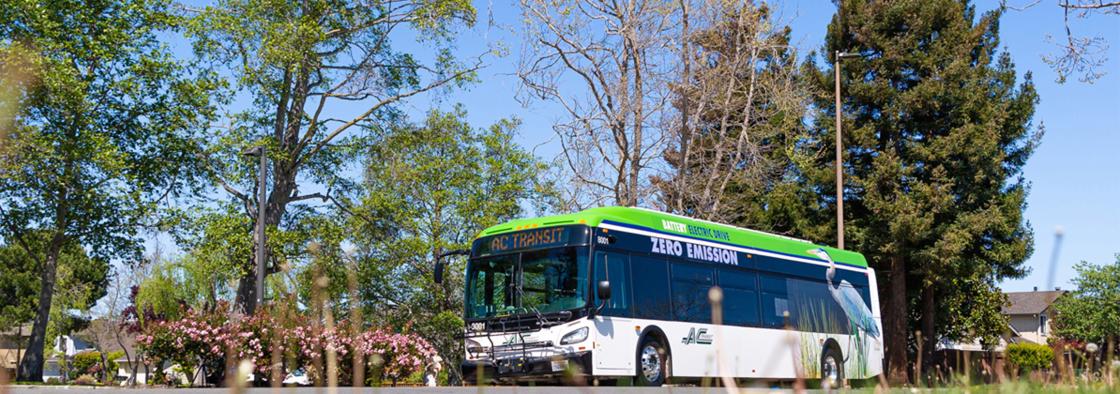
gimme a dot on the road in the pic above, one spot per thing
(398, 390)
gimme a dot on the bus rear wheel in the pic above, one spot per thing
(652, 363)
(832, 369)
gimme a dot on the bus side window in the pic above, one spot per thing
(651, 295)
(690, 292)
(775, 302)
(740, 296)
(615, 268)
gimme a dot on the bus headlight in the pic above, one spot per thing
(576, 336)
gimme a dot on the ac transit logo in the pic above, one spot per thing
(697, 336)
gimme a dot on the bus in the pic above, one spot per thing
(617, 293)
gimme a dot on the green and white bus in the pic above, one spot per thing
(620, 292)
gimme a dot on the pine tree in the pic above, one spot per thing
(936, 132)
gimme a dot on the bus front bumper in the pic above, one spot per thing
(527, 368)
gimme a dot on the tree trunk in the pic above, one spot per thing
(895, 318)
(19, 346)
(929, 330)
(31, 367)
(245, 288)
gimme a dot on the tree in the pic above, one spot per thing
(80, 283)
(936, 133)
(430, 189)
(1076, 54)
(1091, 312)
(1081, 55)
(102, 132)
(606, 63)
(318, 72)
(740, 106)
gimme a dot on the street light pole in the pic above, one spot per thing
(840, 154)
(262, 245)
(258, 290)
(839, 163)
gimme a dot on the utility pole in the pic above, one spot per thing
(258, 290)
(839, 164)
(840, 154)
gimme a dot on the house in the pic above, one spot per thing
(12, 343)
(66, 346)
(110, 338)
(1030, 313)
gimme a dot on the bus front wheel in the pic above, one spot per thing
(832, 368)
(652, 362)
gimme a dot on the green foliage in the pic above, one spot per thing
(81, 281)
(105, 130)
(109, 119)
(298, 63)
(429, 189)
(19, 284)
(937, 127)
(85, 361)
(1030, 356)
(1092, 311)
(112, 360)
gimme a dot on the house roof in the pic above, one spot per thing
(16, 330)
(107, 332)
(1029, 302)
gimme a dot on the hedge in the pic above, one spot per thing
(1030, 356)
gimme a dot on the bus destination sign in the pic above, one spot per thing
(524, 240)
(528, 239)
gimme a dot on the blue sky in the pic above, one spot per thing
(1073, 174)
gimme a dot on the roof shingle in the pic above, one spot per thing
(1029, 302)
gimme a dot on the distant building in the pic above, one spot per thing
(1030, 313)
(12, 347)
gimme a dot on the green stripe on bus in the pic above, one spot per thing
(675, 224)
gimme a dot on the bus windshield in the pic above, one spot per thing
(543, 281)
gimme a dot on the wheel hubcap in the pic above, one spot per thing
(651, 363)
(830, 372)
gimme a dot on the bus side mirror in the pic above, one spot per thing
(604, 289)
(437, 270)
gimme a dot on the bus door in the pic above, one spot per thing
(615, 338)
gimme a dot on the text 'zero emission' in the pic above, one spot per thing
(698, 252)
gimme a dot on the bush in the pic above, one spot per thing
(86, 380)
(112, 358)
(85, 362)
(1030, 356)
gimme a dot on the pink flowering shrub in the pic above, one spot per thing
(189, 342)
(206, 340)
(399, 355)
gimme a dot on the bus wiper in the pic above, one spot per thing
(541, 321)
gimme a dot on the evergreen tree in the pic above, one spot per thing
(936, 132)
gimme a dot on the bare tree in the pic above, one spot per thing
(107, 328)
(607, 63)
(1082, 55)
(736, 100)
(1076, 54)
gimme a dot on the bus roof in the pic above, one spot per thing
(661, 222)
